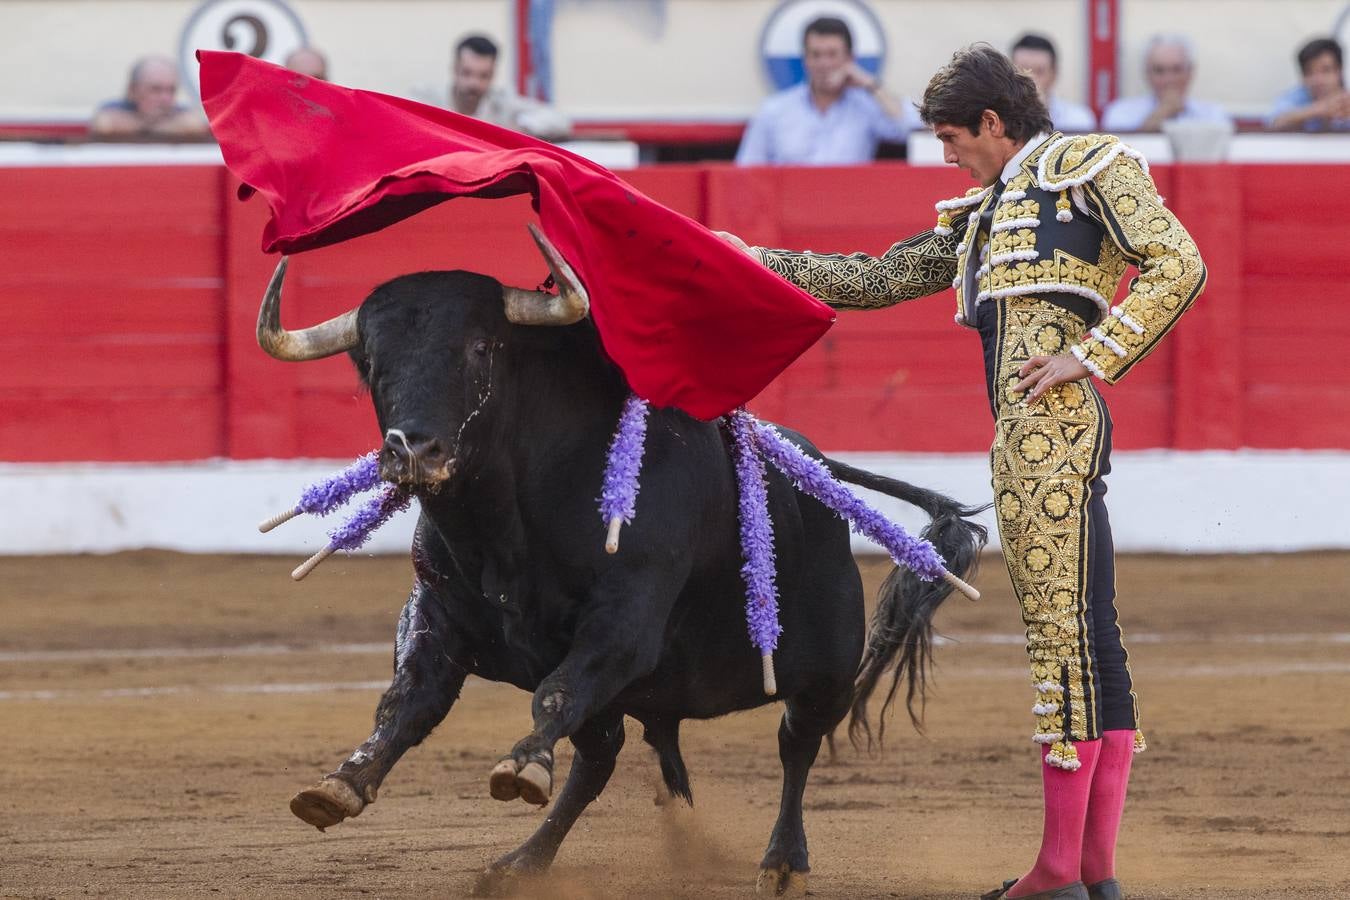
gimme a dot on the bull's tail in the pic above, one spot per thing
(900, 637)
(664, 737)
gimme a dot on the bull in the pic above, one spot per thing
(500, 428)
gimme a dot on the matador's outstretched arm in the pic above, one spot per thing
(916, 267)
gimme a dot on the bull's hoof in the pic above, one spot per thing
(533, 783)
(327, 803)
(536, 784)
(780, 882)
(507, 877)
(502, 782)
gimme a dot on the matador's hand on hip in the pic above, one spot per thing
(1041, 373)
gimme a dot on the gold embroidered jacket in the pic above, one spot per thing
(1027, 251)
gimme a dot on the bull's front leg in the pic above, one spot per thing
(616, 642)
(427, 681)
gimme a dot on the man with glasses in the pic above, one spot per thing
(1169, 66)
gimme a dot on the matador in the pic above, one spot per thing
(1035, 255)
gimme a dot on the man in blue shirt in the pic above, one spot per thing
(150, 108)
(836, 117)
(1321, 102)
(1169, 66)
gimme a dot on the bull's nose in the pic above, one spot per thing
(410, 458)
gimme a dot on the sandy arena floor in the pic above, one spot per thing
(162, 709)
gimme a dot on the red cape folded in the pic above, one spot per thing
(692, 322)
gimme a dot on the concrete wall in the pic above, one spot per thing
(1160, 501)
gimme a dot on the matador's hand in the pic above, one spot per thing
(1041, 373)
(735, 242)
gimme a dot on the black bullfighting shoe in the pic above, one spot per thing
(1075, 891)
(1107, 889)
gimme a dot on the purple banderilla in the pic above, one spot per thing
(354, 533)
(753, 442)
(812, 478)
(321, 498)
(759, 569)
(623, 465)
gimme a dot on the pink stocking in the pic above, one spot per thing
(1106, 804)
(1066, 806)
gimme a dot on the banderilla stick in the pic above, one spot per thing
(960, 585)
(770, 680)
(310, 564)
(268, 524)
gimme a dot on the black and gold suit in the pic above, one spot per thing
(1035, 263)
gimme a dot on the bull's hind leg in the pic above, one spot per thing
(785, 866)
(426, 683)
(597, 743)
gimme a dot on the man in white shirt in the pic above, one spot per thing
(472, 94)
(1169, 66)
(1035, 55)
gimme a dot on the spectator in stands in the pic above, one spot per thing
(1169, 66)
(835, 117)
(472, 94)
(1036, 56)
(308, 61)
(151, 107)
(1321, 102)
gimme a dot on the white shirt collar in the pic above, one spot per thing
(1010, 170)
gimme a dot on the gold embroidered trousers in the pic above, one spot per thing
(1048, 461)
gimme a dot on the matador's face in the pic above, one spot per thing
(983, 155)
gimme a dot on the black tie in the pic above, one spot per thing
(987, 217)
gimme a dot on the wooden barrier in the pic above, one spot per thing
(130, 294)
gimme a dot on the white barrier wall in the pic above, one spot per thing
(1160, 501)
(646, 59)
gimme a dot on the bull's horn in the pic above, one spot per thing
(570, 305)
(325, 339)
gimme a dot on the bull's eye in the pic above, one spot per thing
(480, 347)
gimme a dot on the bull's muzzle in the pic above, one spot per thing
(413, 461)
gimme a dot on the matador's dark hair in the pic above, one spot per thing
(980, 78)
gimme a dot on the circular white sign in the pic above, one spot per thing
(1342, 30)
(266, 29)
(780, 46)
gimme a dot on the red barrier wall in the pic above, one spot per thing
(130, 295)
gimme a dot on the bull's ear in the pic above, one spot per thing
(325, 339)
(570, 305)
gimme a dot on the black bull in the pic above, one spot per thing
(502, 430)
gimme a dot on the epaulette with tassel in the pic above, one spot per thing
(1074, 160)
(945, 208)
